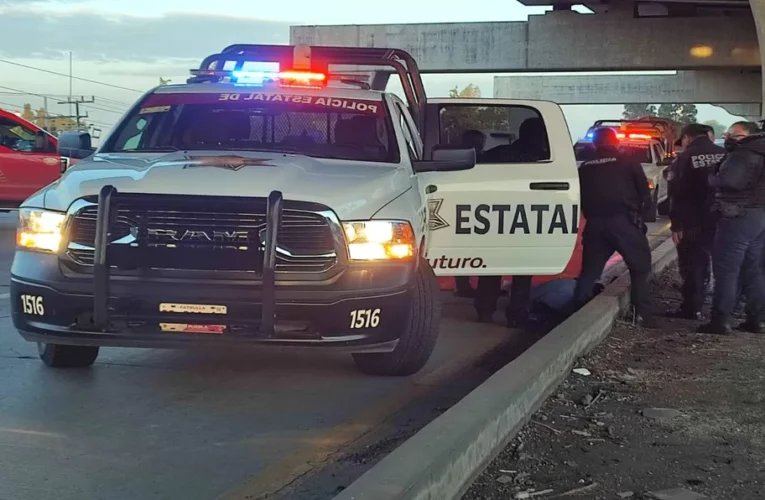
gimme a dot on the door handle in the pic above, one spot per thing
(430, 189)
(549, 186)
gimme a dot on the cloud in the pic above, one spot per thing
(94, 37)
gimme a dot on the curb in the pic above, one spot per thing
(441, 461)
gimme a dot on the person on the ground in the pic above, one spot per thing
(739, 202)
(692, 224)
(614, 194)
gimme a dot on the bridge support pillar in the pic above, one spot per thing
(758, 11)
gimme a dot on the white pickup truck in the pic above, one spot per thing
(291, 207)
(651, 155)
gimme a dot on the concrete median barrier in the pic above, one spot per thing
(441, 461)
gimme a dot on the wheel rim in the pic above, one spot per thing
(41, 348)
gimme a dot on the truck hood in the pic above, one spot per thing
(354, 190)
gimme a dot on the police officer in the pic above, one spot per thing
(614, 196)
(692, 224)
(739, 200)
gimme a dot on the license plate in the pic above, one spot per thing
(192, 308)
(186, 328)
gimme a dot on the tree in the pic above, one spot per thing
(718, 127)
(469, 91)
(457, 119)
(687, 113)
(635, 111)
(683, 113)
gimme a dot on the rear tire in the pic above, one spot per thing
(416, 343)
(66, 356)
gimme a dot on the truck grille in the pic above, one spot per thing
(177, 232)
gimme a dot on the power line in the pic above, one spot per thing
(64, 96)
(29, 93)
(116, 112)
(52, 96)
(107, 102)
(69, 76)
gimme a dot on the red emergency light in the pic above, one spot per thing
(301, 79)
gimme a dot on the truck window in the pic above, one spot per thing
(409, 134)
(511, 134)
(311, 125)
(584, 151)
(640, 153)
(15, 136)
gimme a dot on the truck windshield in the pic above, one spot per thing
(311, 124)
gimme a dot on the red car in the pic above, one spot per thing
(30, 158)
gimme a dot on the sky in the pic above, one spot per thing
(127, 45)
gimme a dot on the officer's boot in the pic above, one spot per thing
(716, 327)
(685, 313)
(752, 326)
(463, 288)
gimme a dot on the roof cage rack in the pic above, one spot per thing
(318, 59)
(655, 122)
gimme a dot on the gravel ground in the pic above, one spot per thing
(665, 409)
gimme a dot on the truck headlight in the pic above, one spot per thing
(379, 240)
(40, 230)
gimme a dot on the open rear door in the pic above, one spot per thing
(517, 211)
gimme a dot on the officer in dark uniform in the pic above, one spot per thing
(739, 200)
(614, 193)
(692, 224)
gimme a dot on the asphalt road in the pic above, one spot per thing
(156, 424)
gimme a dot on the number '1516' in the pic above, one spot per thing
(365, 318)
(32, 304)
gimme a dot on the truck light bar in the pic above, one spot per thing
(316, 60)
(261, 78)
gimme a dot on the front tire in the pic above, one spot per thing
(66, 356)
(417, 341)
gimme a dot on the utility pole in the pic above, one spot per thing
(77, 114)
(71, 79)
(45, 115)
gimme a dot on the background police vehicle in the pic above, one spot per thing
(643, 147)
(271, 201)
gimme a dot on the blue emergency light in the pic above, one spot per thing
(261, 78)
(255, 78)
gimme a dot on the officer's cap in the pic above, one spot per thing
(694, 130)
(605, 136)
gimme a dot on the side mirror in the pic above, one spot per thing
(43, 143)
(75, 145)
(665, 162)
(447, 160)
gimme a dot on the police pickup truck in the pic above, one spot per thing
(647, 151)
(272, 201)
